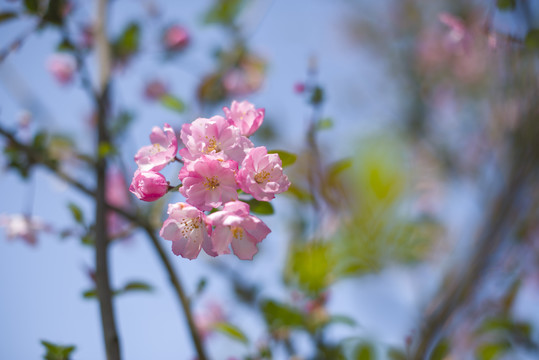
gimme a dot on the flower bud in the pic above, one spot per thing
(148, 185)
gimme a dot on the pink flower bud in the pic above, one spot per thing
(62, 67)
(148, 185)
(176, 38)
(155, 89)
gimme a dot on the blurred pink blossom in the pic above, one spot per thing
(246, 78)
(205, 321)
(24, 227)
(176, 38)
(62, 66)
(155, 89)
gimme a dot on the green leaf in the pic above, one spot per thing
(260, 207)
(441, 350)
(76, 212)
(231, 331)
(65, 45)
(173, 103)
(299, 193)
(278, 315)
(32, 6)
(396, 354)
(8, 15)
(491, 351)
(201, 286)
(40, 141)
(57, 352)
(89, 294)
(311, 266)
(364, 351)
(136, 286)
(105, 149)
(286, 157)
(532, 39)
(325, 123)
(506, 4)
(128, 42)
(317, 96)
(223, 12)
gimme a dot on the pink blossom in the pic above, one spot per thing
(176, 38)
(205, 321)
(208, 182)
(234, 225)
(161, 152)
(23, 226)
(155, 89)
(213, 136)
(299, 87)
(148, 185)
(247, 77)
(117, 195)
(186, 228)
(261, 175)
(458, 35)
(244, 116)
(62, 66)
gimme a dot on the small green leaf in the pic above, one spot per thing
(231, 331)
(127, 43)
(492, 351)
(137, 286)
(32, 6)
(57, 352)
(278, 315)
(40, 141)
(364, 351)
(173, 103)
(65, 45)
(201, 286)
(223, 12)
(76, 212)
(325, 123)
(8, 15)
(532, 39)
(105, 149)
(317, 96)
(89, 294)
(299, 193)
(260, 207)
(440, 350)
(506, 4)
(286, 157)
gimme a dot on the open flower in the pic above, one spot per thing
(23, 226)
(163, 149)
(262, 175)
(148, 185)
(208, 182)
(186, 228)
(213, 136)
(244, 116)
(234, 225)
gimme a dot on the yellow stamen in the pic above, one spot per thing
(262, 177)
(211, 183)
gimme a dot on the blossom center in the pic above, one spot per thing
(262, 177)
(213, 145)
(188, 225)
(156, 148)
(237, 232)
(211, 183)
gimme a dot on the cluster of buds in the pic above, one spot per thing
(219, 162)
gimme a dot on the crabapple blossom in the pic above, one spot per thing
(261, 175)
(163, 149)
(244, 116)
(23, 226)
(148, 185)
(209, 182)
(186, 228)
(205, 321)
(176, 38)
(235, 226)
(155, 89)
(62, 67)
(213, 136)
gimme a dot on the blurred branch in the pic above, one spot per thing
(104, 292)
(136, 218)
(19, 40)
(460, 286)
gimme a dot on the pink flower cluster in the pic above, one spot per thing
(219, 161)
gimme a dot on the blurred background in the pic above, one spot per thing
(410, 229)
